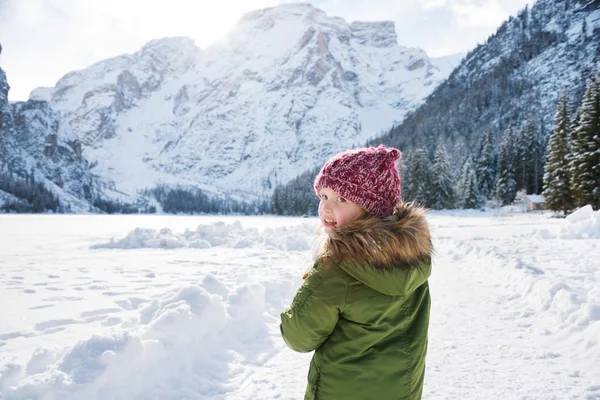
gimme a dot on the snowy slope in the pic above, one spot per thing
(188, 307)
(447, 64)
(284, 90)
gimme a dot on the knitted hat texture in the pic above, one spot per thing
(366, 176)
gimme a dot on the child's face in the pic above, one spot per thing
(335, 211)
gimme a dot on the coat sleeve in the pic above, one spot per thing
(314, 312)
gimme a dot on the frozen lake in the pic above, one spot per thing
(187, 307)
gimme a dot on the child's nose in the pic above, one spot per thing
(327, 205)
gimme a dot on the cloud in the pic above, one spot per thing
(481, 14)
(429, 4)
(43, 40)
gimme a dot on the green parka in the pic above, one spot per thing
(364, 308)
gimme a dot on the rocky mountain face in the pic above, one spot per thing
(36, 145)
(286, 89)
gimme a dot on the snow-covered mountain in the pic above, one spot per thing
(36, 145)
(288, 87)
(513, 79)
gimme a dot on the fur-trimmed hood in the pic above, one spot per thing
(376, 250)
(399, 241)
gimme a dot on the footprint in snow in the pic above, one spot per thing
(53, 323)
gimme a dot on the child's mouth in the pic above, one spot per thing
(330, 222)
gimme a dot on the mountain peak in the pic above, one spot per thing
(370, 33)
(276, 27)
(291, 9)
(169, 44)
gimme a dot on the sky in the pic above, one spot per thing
(43, 40)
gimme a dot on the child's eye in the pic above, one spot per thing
(324, 196)
(341, 199)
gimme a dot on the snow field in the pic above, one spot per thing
(187, 313)
(192, 338)
(193, 341)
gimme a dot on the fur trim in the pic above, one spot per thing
(399, 241)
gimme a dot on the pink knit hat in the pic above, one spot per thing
(366, 176)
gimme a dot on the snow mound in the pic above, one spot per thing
(294, 238)
(584, 223)
(181, 345)
(542, 233)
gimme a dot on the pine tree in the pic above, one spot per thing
(468, 189)
(461, 188)
(585, 157)
(443, 181)
(407, 181)
(519, 155)
(557, 178)
(418, 179)
(528, 159)
(535, 158)
(506, 187)
(471, 197)
(486, 166)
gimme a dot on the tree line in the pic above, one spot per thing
(572, 176)
(27, 195)
(193, 201)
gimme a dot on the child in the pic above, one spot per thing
(364, 306)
